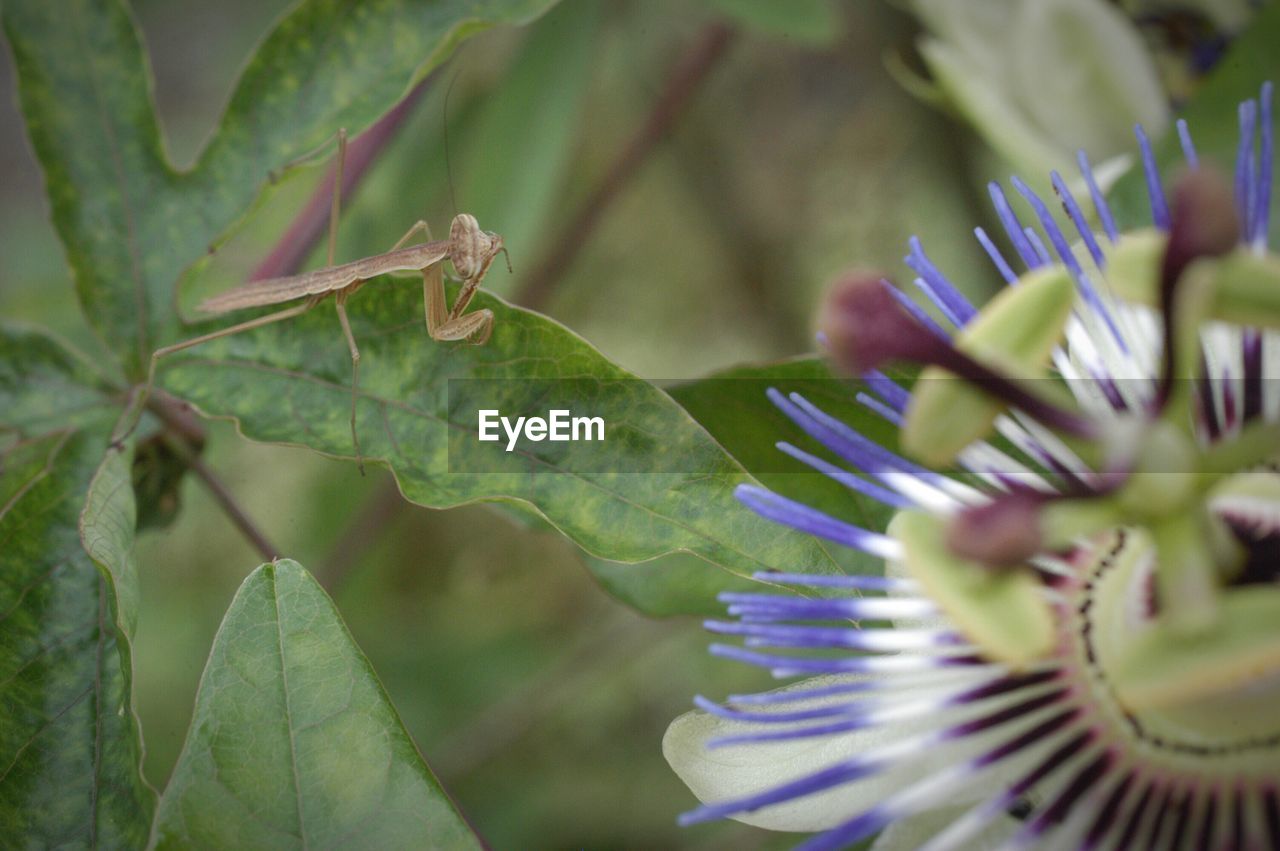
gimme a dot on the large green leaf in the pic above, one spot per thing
(70, 750)
(658, 482)
(130, 223)
(294, 743)
(1212, 116)
(732, 405)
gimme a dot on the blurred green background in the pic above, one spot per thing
(538, 700)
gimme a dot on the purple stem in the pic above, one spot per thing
(313, 222)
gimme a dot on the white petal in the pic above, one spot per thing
(735, 771)
(1004, 127)
(911, 833)
(1041, 79)
(1080, 70)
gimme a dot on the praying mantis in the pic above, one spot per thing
(469, 249)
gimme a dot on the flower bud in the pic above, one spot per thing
(1205, 222)
(865, 326)
(1003, 533)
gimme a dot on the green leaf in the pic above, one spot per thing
(1212, 117)
(657, 484)
(815, 22)
(44, 384)
(70, 750)
(107, 527)
(130, 223)
(294, 743)
(733, 407)
(83, 89)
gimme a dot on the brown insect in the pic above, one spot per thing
(468, 248)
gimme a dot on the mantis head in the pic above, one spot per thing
(473, 249)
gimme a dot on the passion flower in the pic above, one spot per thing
(1077, 639)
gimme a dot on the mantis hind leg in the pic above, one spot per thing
(437, 309)
(339, 167)
(341, 302)
(336, 208)
(419, 225)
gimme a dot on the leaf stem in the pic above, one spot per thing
(688, 73)
(178, 434)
